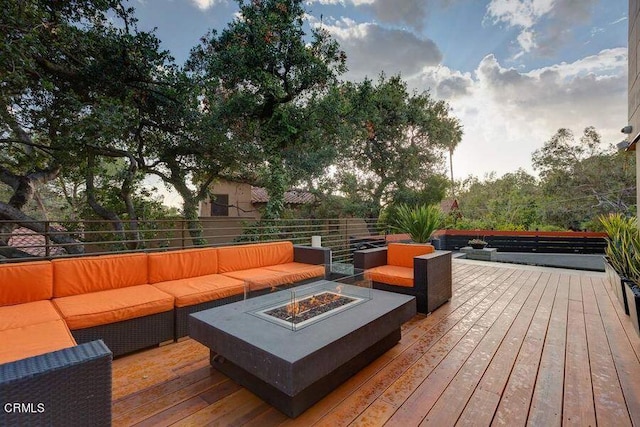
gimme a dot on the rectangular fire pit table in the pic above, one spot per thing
(292, 367)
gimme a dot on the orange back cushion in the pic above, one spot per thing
(25, 282)
(244, 257)
(182, 264)
(76, 276)
(402, 254)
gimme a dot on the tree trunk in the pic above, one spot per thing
(134, 238)
(100, 210)
(71, 245)
(277, 184)
(191, 200)
(23, 190)
(190, 214)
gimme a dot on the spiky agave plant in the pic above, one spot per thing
(419, 222)
(622, 235)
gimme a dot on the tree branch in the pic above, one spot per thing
(8, 212)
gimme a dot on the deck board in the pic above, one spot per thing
(515, 345)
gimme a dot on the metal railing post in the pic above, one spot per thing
(47, 240)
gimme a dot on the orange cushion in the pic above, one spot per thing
(182, 264)
(75, 276)
(25, 282)
(196, 290)
(299, 270)
(391, 275)
(17, 316)
(244, 257)
(115, 305)
(402, 254)
(35, 339)
(260, 278)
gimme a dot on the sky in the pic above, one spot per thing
(512, 71)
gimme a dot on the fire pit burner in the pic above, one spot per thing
(309, 309)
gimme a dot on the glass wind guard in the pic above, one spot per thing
(299, 306)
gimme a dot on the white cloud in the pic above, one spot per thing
(206, 4)
(519, 13)
(407, 12)
(508, 114)
(371, 48)
(544, 24)
(526, 39)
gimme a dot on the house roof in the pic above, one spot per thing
(32, 243)
(292, 197)
(449, 205)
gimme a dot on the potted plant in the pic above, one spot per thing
(477, 243)
(620, 230)
(419, 222)
(631, 289)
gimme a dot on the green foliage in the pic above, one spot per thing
(582, 179)
(84, 90)
(578, 182)
(396, 143)
(500, 203)
(268, 78)
(419, 222)
(623, 244)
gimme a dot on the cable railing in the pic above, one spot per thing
(96, 237)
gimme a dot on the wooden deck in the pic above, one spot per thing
(515, 345)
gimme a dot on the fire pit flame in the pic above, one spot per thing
(310, 307)
(297, 308)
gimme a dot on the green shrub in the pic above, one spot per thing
(623, 244)
(546, 227)
(419, 222)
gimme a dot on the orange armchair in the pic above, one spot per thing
(410, 269)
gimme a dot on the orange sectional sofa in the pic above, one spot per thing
(411, 269)
(62, 321)
(134, 301)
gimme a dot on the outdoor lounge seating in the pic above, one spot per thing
(112, 305)
(411, 269)
(41, 366)
(134, 301)
(109, 298)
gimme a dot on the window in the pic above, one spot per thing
(220, 205)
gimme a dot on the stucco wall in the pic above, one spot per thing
(239, 200)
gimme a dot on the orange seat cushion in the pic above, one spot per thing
(245, 257)
(391, 275)
(299, 271)
(34, 339)
(20, 315)
(31, 329)
(114, 305)
(402, 254)
(196, 290)
(25, 282)
(260, 278)
(75, 276)
(182, 264)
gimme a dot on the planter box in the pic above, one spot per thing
(617, 284)
(633, 298)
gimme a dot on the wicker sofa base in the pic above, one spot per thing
(69, 387)
(131, 335)
(182, 313)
